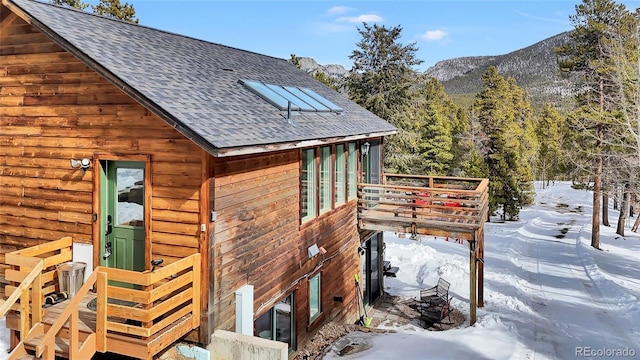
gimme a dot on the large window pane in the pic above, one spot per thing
(340, 174)
(308, 184)
(325, 179)
(314, 297)
(352, 169)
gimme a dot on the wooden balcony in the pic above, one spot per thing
(432, 205)
(136, 314)
(424, 205)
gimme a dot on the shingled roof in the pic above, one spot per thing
(194, 84)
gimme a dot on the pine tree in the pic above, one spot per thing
(383, 70)
(109, 8)
(114, 9)
(548, 135)
(504, 115)
(585, 57)
(75, 4)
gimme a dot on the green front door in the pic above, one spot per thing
(122, 214)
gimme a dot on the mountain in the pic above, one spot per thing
(311, 66)
(534, 68)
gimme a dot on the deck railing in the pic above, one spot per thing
(131, 303)
(141, 304)
(35, 268)
(447, 206)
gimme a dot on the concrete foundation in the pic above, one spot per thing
(229, 345)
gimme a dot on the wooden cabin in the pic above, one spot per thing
(204, 187)
(142, 145)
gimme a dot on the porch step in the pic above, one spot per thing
(62, 345)
(27, 357)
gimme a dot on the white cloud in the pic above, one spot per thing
(368, 18)
(336, 10)
(434, 35)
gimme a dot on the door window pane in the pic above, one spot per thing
(325, 179)
(284, 320)
(130, 184)
(340, 172)
(314, 297)
(352, 168)
(278, 323)
(308, 184)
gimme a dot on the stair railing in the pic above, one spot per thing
(22, 292)
(95, 341)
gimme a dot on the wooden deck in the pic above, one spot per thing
(137, 314)
(450, 207)
(424, 205)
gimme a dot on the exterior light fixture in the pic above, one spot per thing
(81, 164)
(364, 148)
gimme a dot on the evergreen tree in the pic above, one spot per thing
(504, 115)
(383, 70)
(326, 79)
(295, 61)
(115, 9)
(548, 134)
(585, 57)
(76, 4)
(109, 8)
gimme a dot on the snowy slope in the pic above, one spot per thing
(548, 294)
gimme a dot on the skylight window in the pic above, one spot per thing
(300, 99)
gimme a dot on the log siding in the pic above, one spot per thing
(259, 241)
(54, 108)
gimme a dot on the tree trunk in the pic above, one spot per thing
(597, 189)
(605, 208)
(623, 210)
(636, 224)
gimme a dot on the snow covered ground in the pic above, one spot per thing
(548, 294)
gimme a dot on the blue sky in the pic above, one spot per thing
(327, 30)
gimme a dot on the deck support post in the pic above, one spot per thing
(472, 281)
(480, 238)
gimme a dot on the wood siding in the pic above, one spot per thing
(259, 241)
(54, 108)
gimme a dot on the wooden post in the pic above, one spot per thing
(481, 267)
(472, 281)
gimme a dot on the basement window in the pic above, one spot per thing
(291, 97)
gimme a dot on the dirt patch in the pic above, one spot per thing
(387, 311)
(321, 342)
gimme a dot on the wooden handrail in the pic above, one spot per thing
(47, 346)
(22, 292)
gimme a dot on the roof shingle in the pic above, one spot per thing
(195, 82)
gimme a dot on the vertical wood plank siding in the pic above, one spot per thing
(259, 241)
(54, 108)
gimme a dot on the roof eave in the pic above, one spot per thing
(257, 149)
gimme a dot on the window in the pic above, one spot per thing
(352, 169)
(314, 297)
(308, 184)
(278, 323)
(340, 172)
(324, 175)
(325, 179)
(289, 97)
